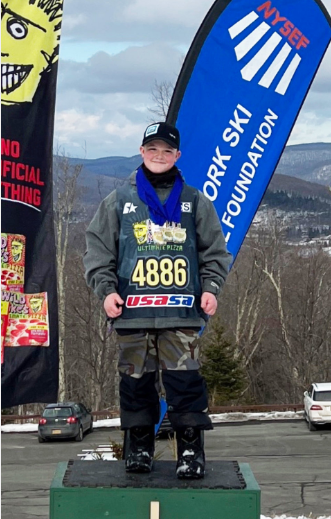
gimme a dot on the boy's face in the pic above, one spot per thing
(158, 156)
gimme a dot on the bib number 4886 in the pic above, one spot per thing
(165, 271)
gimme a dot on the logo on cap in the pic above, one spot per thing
(151, 130)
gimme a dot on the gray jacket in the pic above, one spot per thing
(102, 235)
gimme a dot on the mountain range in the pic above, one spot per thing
(304, 170)
(311, 162)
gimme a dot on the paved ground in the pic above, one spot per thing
(291, 465)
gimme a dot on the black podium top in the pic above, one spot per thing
(99, 473)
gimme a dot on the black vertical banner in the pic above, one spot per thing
(30, 34)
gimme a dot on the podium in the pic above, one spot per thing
(102, 489)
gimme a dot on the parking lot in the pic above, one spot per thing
(291, 465)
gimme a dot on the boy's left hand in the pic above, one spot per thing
(208, 303)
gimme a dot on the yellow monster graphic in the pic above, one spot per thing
(140, 232)
(17, 247)
(36, 304)
(30, 33)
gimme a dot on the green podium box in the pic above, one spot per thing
(102, 489)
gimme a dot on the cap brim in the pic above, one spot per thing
(157, 138)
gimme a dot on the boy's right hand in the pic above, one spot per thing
(112, 305)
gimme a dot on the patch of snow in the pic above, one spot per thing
(33, 427)
(188, 452)
(216, 418)
(182, 468)
(15, 427)
(111, 422)
(291, 517)
(144, 453)
(245, 417)
(97, 455)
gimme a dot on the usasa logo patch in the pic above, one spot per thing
(160, 300)
(274, 45)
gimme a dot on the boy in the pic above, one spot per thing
(156, 256)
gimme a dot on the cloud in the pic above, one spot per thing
(124, 47)
(322, 81)
(69, 121)
(132, 70)
(71, 21)
(112, 124)
(310, 127)
(123, 129)
(129, 20)
(184, 12)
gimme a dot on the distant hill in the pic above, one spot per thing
(100, 176)
(310, 162)
(118, 167)
(305, 203)
(300, 187)
(304, 170)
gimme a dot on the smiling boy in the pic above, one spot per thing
(159, 295)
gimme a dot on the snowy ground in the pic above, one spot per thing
(290, 517)
(216, 418)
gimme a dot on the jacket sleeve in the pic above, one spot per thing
(214, 258)
(100, 259)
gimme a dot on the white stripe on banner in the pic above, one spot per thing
(23, 203)
(254, 65)
(248, 43)
(275, 66)
(289, 73)
(240, 26)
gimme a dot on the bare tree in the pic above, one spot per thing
(65, 193)
(91, 349)
(161, 96)
(276, 309)
(300, 302)
(248, 292)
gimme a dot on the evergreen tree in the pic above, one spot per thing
(223, 373)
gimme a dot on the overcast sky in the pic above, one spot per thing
(111, 54)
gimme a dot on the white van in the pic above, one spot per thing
(317, 402)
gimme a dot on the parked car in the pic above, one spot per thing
(317, 402)
(64, 420)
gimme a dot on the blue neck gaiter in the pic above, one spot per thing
(170, 210)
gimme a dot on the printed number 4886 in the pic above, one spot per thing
(167, 272)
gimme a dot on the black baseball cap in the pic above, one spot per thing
(163, 132)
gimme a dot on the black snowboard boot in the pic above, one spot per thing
(141, 449)
(190, 453)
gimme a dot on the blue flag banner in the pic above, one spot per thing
(238, 95)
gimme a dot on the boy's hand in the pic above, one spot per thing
(208, 303)
(112, 305)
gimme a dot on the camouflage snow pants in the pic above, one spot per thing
(143, 355)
